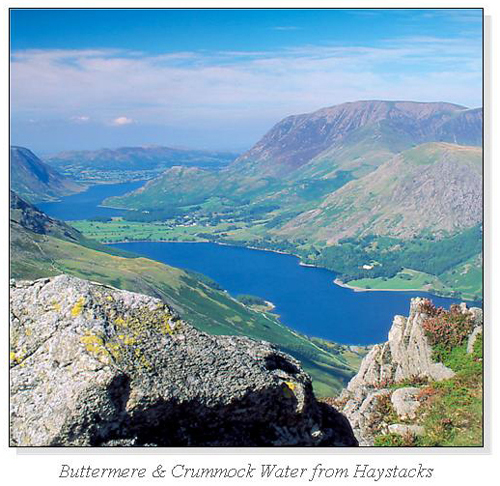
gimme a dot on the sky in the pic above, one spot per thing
(220, 79)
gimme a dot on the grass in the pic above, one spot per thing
(452, 410)
(452, 413)
(465, 279)
(407, 279)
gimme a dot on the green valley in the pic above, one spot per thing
(406, 175)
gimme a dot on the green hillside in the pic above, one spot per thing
(35, 180)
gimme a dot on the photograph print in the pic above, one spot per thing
(246, 228)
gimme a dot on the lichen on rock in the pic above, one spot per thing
(108, 367)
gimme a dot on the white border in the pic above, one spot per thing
(457, 466)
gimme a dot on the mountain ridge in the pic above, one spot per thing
(297, 139)
(37, 181)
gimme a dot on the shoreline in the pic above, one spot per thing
(361, 289)
(335, 281)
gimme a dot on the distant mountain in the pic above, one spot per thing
(35, 180)
(134, 162)
(390, 126)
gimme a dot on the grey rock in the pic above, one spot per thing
(473, 337)
(406, 356)
(404, 429)
(405, 403)
(477, 316)
(364, 415)
(95, 366)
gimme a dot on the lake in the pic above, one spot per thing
(305, 297)
(85, 205)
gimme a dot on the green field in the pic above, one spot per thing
(464, 281)
(407, 279)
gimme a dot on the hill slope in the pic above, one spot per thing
(36, 181)
(434, 188)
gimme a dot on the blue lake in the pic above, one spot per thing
(305, 297)
(85, 205)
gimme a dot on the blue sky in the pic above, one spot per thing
(221, 78)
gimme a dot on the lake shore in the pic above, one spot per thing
(336, 281)
(361, 289)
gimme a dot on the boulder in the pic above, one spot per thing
(404, 429)
(405, 402)
(95, 366)
(477, 315)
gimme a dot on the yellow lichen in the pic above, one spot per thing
(128, 340)
(17, 358)
(95, 345)
(78, 307)
(288, 389)
(165, 327)
(120, 321)
(115, 350)
(142, 359)
(56, 306)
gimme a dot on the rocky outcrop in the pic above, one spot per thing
(95, 366)
(405, 357)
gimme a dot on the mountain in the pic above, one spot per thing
(384, 126)
(434, 188)
(127, 163)
(35, 180)
(305, 158)
(43, 247)
(91, 365)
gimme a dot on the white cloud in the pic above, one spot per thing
(80, 119)
(122, 120)
(221, 89)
